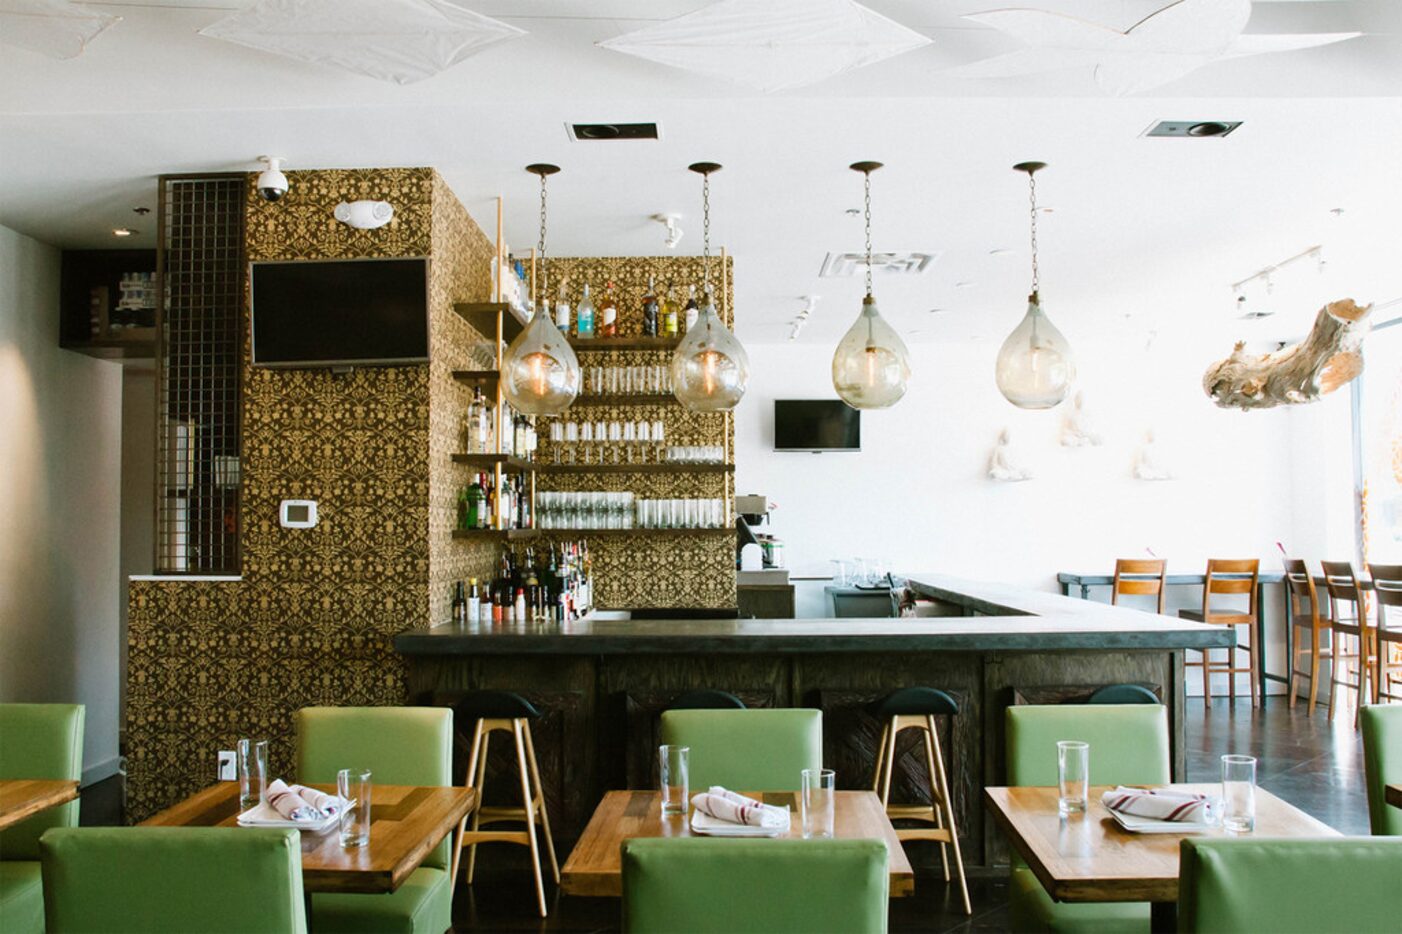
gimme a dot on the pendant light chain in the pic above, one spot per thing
(706, 233)
(540, 248)
(866, 179)
(1032, 197)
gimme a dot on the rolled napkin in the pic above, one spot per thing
(737, 809)
(291, 805)
(1159, 804)
(320, 800)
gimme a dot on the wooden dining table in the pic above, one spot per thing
(406, 823)
(595, 866)
(1393, 795)
(1090, 858)
(21, 798)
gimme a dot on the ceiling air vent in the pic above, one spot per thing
(836, 265)
(590, 132)
(1193, 129)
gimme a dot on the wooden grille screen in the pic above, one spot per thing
(201, 269)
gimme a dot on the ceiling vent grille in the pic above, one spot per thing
(596, 132)
(844, 265)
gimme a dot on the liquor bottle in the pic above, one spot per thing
(518, 610)
(464, 511)
(650, 310)
(476, 505)
(459, 605)
(490, 517)
(519, 444)
(532, 439)
(508, 430)
(476, 434)
(693, 311)
(474, 602)
(584, 317)
(670, 323)
(562, 312)
(608, 313)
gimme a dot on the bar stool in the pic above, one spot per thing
(1342, 586)
(510, 713)
(1387, 589)
(1301, 584)
(915, 709)
(1135, 576)
(707, 699)
(1123, 694)
(1228, 576)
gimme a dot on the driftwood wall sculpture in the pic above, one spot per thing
(1330, 356)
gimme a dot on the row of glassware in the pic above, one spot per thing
(613, 510)
(627, 380)
(624, 442)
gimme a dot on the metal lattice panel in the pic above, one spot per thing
(200, 353)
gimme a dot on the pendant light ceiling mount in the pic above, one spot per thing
(543, 169)
(705, 168)
(866, 168)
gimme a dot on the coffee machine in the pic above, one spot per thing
(751, 512)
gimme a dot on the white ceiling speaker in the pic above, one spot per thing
(364, 215)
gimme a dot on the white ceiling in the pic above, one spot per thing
(1145, 234)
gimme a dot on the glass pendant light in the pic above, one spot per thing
(710, 368)
(871, 366)
(540, 372)
(1035, 366)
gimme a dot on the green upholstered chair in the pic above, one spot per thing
(750, 750)
(400, 746)
(1128, 746)
(701, 885)
(36, 741)
(172, 880)
(1382, 764)
(1320, 886)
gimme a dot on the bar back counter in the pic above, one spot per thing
(602, 684)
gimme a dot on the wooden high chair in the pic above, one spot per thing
(1229, 576)
(1387, 589)
(1348, 614)
(1307, 616)
(1140, 576)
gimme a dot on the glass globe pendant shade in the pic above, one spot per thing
(1035, 366)
(871, 366)
(540, 372)
(710, 368)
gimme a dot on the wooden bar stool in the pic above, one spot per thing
(1134, 576)
(503, 711)
(1229, 576)
(916, 709)
(1387, 590)
(1301, 584)
(1348, 619)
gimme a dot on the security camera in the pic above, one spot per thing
(272, 184)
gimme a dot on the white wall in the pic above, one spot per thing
(60, 477)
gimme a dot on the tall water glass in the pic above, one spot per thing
(253, 772)
(1238, 794)
(818, 802)
(1072, 776)
(672, 762)
(353, 785)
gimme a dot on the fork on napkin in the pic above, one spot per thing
(735, 808)
(1160, 804)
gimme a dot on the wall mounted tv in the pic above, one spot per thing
(816, 425)
(358, 312)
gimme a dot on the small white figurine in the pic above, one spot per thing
(1078, 431)
(1150, 464)
(1004, 463)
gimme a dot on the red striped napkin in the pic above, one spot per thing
(738, 809)
(1159, 804)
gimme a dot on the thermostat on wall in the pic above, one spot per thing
(298, 513)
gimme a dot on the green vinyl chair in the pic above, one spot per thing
(747, 750)
(36, 741)
(400, 746)
(1382, 764)
(1128, 746)
(1326, 885)
(701, 885)
(172, 880)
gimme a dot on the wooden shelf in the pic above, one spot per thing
(668, 468)
(660, 398)
(505, 535)
(623, 533)
(483, 317)
(624, 343)
(482, 378)
(491, 460)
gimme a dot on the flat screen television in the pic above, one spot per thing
(816, 425)
(358, 312)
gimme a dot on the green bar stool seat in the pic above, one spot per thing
(747, 750)
(703, 885)
(915, 708)
(1382, 765)
(1123, 694)
(36, 741)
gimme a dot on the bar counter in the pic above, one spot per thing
(601, 685)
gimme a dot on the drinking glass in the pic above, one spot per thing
(630, 440)
(353, 785)
(659, 436)
(615, 437)
(675, 789)
(1073, 776)
(601, 437)
(644, 440)
(557, 438)
(253, 772)
(1238, 794)
(572, 439)
(819, 791)
(586, 438)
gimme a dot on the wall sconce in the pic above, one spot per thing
(364, 215)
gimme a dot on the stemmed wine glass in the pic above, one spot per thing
(586, 437)
(659, 437)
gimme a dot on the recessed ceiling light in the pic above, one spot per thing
(122, 231)
(590, 132)
(1193, 129)
(142, 211)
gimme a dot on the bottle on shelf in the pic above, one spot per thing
(532, 439)
(476, 504)
(474, 602)
(475, 432)
(518, 608)
(464, 520)
(490, 490)
(670, 317)
(693, 311)
(608, 313)
(584, 317)
(562, 312)
(650, 310)
(459, 605)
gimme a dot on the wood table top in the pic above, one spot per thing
(24, 797)
(1090, 858)
(595, 867)
(1393, 795)
(406, 823)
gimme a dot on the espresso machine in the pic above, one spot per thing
(752, 512)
